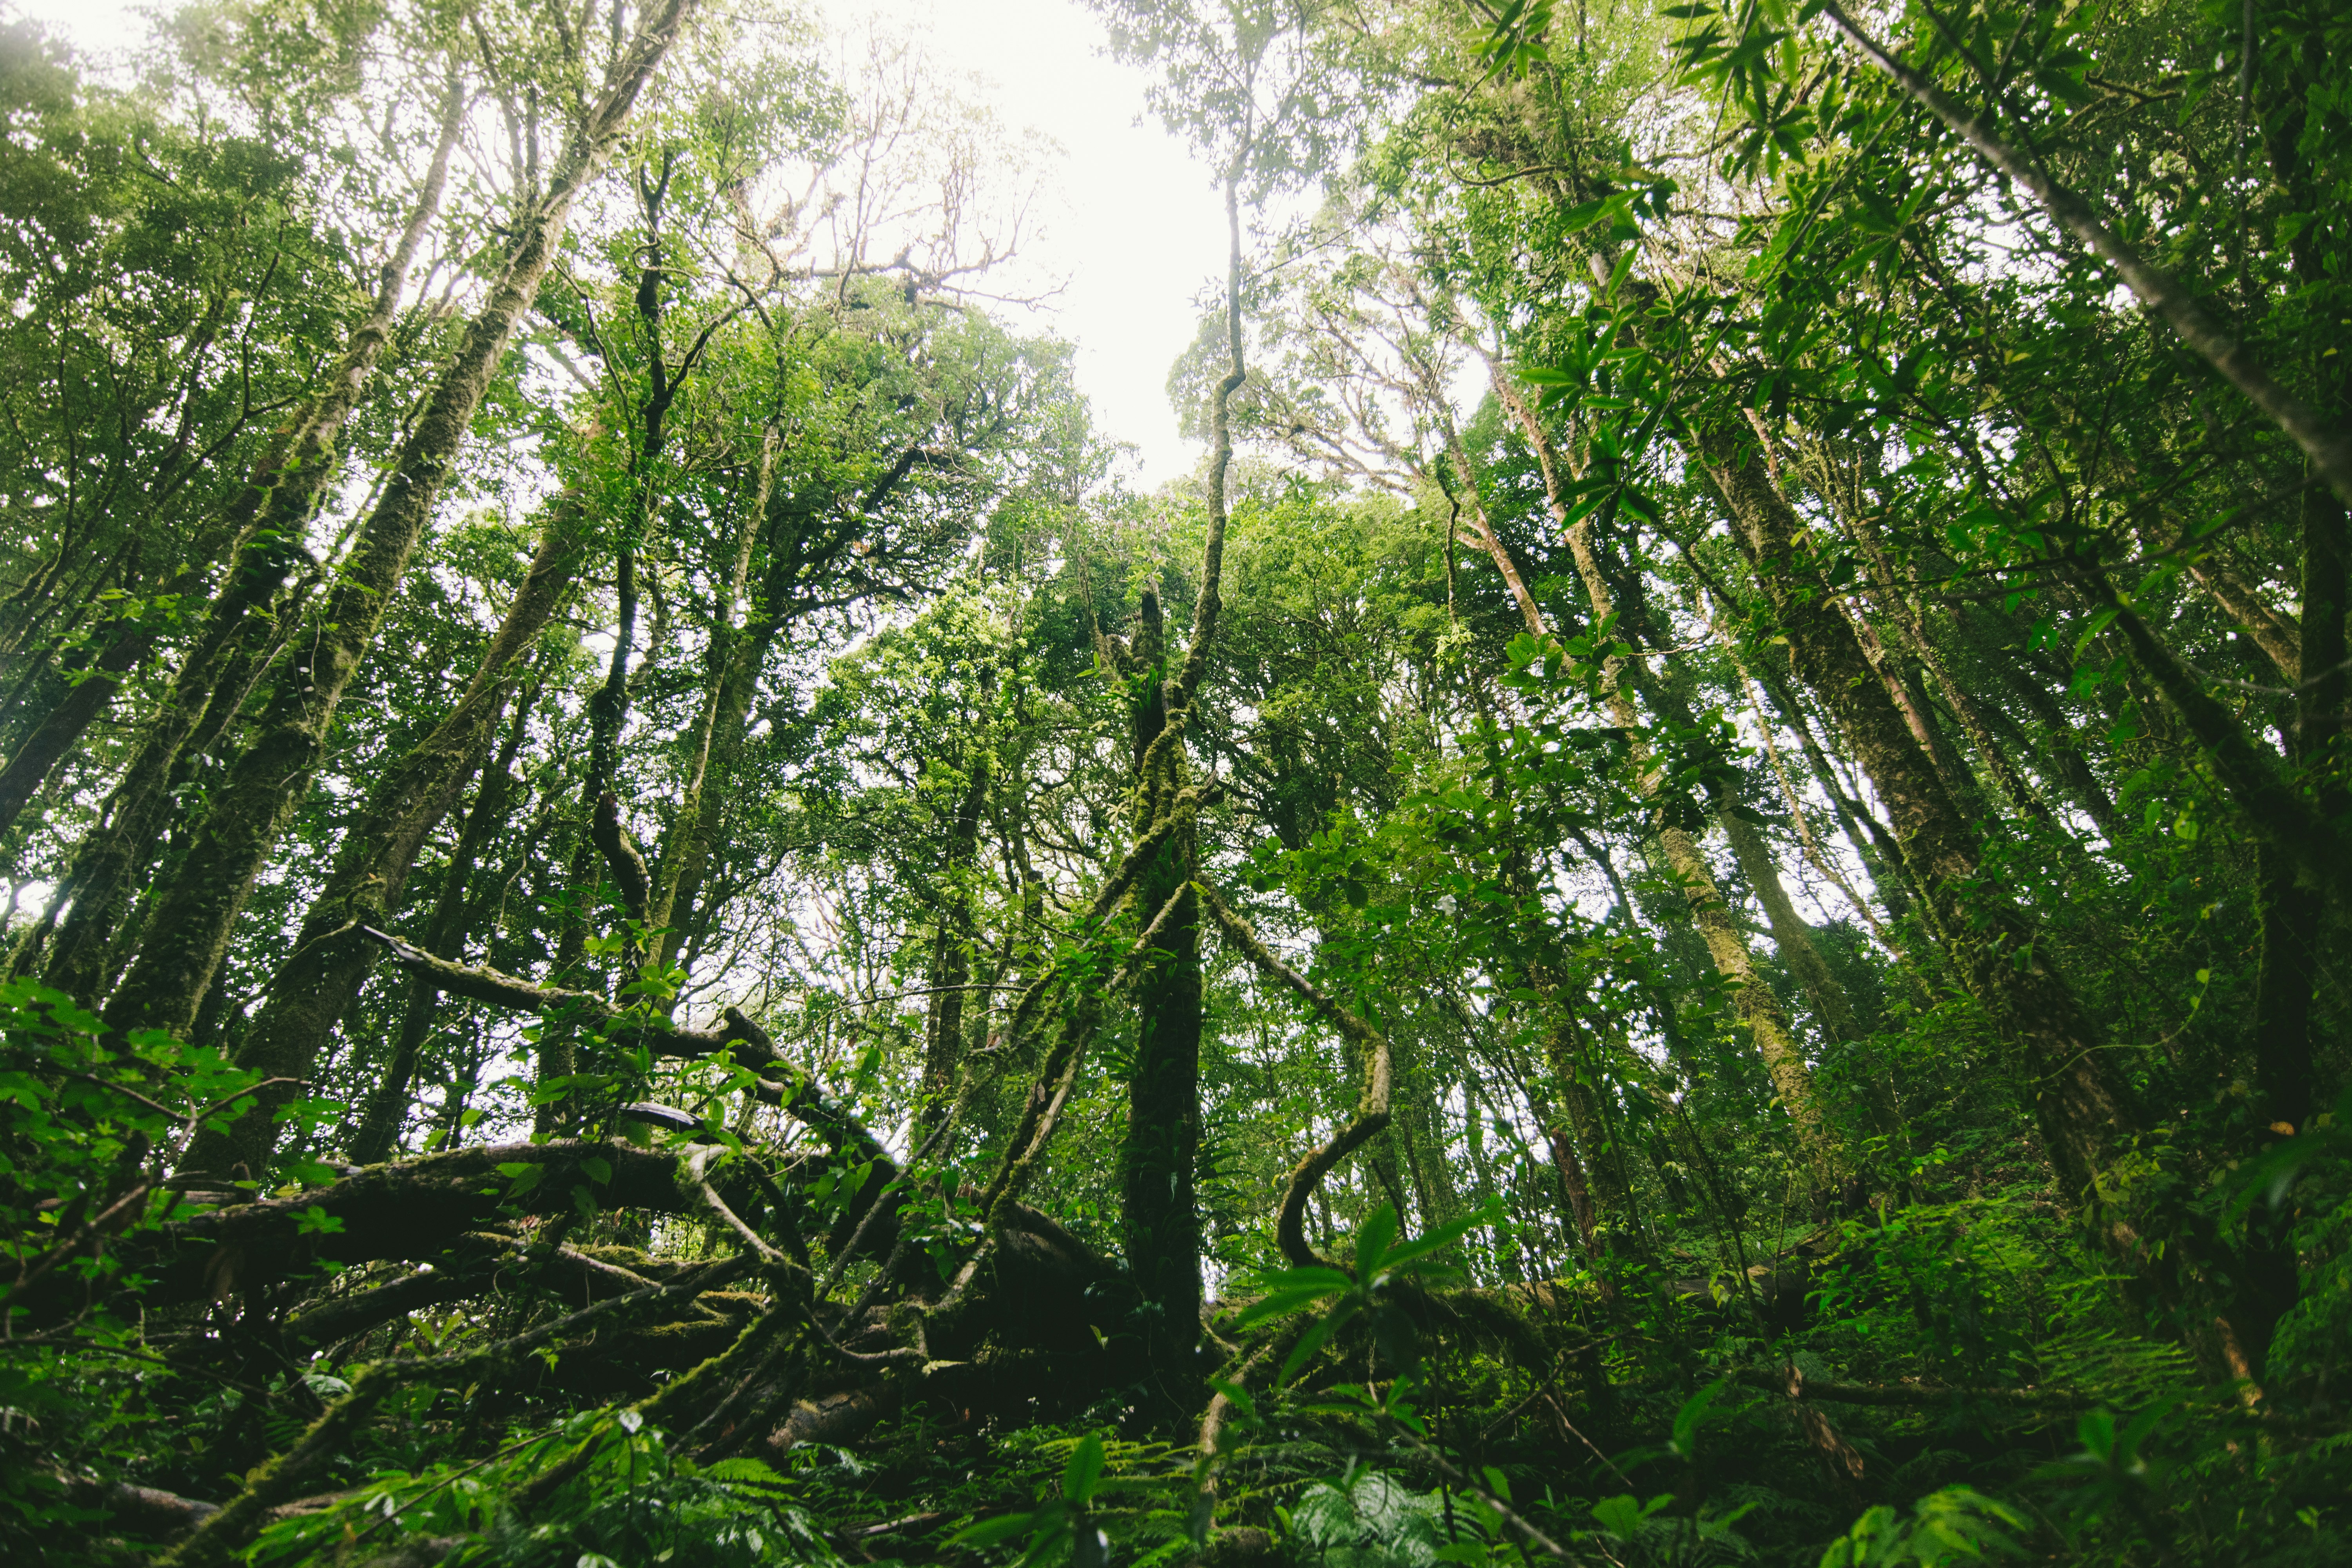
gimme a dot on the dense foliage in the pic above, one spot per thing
(1688, 906)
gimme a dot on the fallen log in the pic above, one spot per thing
(415, 1210)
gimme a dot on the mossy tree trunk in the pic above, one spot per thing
(190, 929)
(261, 527)
(332, 957)
(2085, 1111)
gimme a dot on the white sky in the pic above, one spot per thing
(1138, 228)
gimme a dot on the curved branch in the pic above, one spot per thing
(747, 1044)
(481, 984)
(690, 1178)
(621, 853)
(802, 1101)
(1221, 457)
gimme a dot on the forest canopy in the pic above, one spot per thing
(1687, 904)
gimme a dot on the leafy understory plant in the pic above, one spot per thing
(1951, 1526)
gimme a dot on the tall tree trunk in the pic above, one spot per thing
(2084, 1112)
(2293, 908)
(2268, 797)
(100, 908)
(732, 667)
(951, 965)
(60, 729)
(1612, 1228)
(2013, 787)
(1824, 1151)
(1800, 817)
(265, 519)
(190, 934)
(2059, 755)
(1159, 1218)
(331, 958)
(1551, 970)
(1790, 934)
(386, 1107)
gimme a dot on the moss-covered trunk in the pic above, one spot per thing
(2083, 1111)
(262, 525)
(949, 973)
(332, 957)
(1158, 1218)
(190, 931)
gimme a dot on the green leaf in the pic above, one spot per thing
(992, 1532)
(1623, 1516)
(1379, 1229)
(1084, 1469)
(1315, 1337)
(316, 1221)
(1693, 1416)
(1399, 1259)
(2099, 623)
(1294, 1289)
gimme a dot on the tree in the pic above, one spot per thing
(1686, 905)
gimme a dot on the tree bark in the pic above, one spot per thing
(717, 734)
(951, 965)
(2272, 805)
(2084, 1112)
(2014, 788)
(98, 910)
(1801, 817)
(2059, 755)
(2293, 908)
(331, 959)
(1612, 1228)
(265, 519)
(191, 929)
(1159, 1219)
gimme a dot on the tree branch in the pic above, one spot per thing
(2328, 446)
